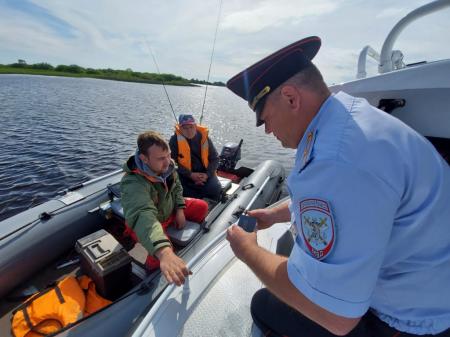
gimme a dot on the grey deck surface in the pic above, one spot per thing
(225, 309)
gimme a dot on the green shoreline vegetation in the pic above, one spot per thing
(128, 75)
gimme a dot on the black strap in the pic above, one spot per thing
(59, 294)
(27, 302)
(27, 318)
(34, 328)
(23, 307)
(160, 241)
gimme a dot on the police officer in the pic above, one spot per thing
(369, 201)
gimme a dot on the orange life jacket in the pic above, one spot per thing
(51, 310)
(184, 151)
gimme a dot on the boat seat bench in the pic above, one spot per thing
(180, 237)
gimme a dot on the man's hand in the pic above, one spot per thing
(180, 219)
(172, 267)
(264, 217)
(199, 178)
(241, 242)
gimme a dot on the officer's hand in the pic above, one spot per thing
(264, 217)
(172, 267)
(241, 242)
(180, 219)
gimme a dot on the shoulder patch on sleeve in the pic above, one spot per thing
(317, 227)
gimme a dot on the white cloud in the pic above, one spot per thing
(337, 64)
(112, 33)
(269, 14)
(28, 36)
(390, 12)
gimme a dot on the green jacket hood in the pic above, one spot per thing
(136, 165)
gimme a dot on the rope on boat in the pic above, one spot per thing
(44, 216)
(210, 63)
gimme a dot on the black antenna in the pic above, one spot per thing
(212, 54)
(162, 80)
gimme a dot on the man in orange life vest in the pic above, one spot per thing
(197, 159)
(152, 200)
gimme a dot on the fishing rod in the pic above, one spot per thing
(212, 54)
(162, 80)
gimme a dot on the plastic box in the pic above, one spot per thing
(105, 261)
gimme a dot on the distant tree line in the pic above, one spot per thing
(121, 75)
(196, 81)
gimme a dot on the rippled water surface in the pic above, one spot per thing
(57, 132)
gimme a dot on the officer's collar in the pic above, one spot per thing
(305, 147)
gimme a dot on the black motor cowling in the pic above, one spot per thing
(230, 155)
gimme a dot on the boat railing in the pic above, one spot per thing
(362, 60)
(390, 59)
(386, 59)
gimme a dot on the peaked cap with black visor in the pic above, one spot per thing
(257, 81)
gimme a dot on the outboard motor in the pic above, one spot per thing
(230, 155)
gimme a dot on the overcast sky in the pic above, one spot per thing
(116, 34)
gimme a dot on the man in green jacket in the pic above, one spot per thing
(152, 199)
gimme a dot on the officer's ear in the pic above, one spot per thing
(291, 96)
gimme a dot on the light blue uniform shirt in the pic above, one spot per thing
(370, 199)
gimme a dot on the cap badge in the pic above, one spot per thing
(258, 97)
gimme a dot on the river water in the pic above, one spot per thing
(58, 131)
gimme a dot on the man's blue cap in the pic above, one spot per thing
(257, 81)
(186, 119)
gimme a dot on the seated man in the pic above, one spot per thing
(152, 199)
(197, 159)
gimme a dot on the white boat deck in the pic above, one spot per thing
(225, 308)
(216, 300)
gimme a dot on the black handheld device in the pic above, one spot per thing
(247, 223)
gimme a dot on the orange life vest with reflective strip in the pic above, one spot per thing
(184, 151)
(51, 310)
